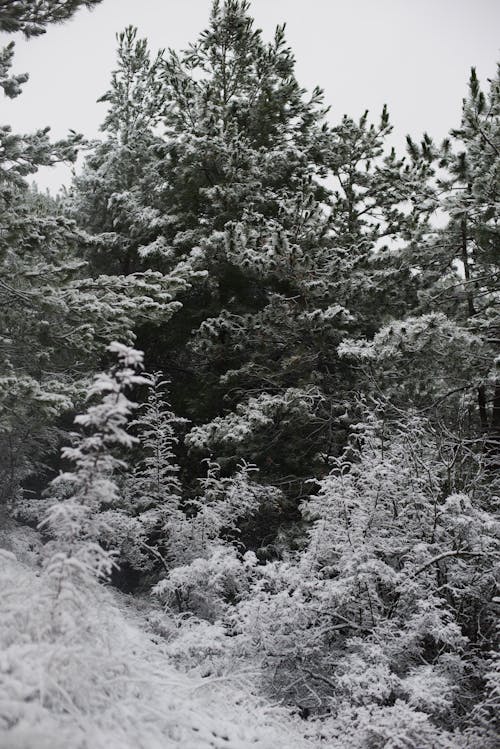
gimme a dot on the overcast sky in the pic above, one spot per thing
(415, 55)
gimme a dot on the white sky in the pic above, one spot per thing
(413, 54)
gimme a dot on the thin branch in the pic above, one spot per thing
(156, 554)
(446, 554)
(318, 677)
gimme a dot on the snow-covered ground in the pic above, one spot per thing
(98, 677)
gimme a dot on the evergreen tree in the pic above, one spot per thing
(110, 198)
(56, 315)
(380, 204)
(30, 18)
(239, 140)
(469, 242)
(215, 157)
(75, 521)
(447, 336)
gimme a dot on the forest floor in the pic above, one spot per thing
(96, 675)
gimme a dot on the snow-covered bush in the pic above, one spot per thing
(208, 585)
(379, 609)
(150, 492)
(208, 571)
(77, 667)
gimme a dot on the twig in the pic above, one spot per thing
(449, 554)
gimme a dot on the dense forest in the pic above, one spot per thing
(250, 413)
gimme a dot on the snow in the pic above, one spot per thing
(107, 682)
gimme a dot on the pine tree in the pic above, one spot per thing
(447, 336)
(215, 157)
(239, 141)
(56, 314)
(111, 197)
(470, 240)
(32, 235)
(381, 202)
(74, 556)
(31, 19)
(55, 322)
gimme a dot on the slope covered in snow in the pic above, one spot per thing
(98, 679)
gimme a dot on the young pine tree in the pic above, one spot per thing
(74, 557)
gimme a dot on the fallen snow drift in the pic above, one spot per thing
(101, 680)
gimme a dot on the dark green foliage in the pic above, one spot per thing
(32, 17)
(216, 156)
(56, 313)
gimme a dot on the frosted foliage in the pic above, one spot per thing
(150, 492)
(208, 573)
(413, 348)
(224, 501)
(208, 585)
(74, 555)
(427, 689)
(154, 479)
(215, 514)
(396, 727)
(419, 336)
(303, 507)
(362, 617)
(128, 536)
(254, 417)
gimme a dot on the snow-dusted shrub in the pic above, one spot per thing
(208, 585)
(380, 608)
(217, 511)
(147, 496)
(153, 482)
(208, 571)
(76, 669)
(197, 645)
(396, 726)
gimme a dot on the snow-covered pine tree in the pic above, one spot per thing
(381, 202)
(466, 285)
(74, 557)
(446, 341)
(233, 132)
(296, 262)
(56, 314)
(54, 321)
(31, 236)
(111, 198)
(224, 166)
(33, 17)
